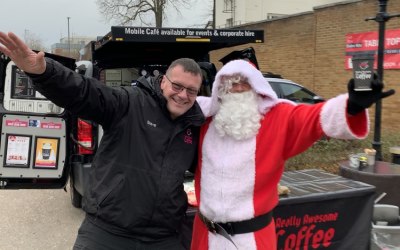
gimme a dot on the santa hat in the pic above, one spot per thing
(259, 84)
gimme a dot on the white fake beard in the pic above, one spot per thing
(238, 115)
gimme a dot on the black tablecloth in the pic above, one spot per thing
(322, 211)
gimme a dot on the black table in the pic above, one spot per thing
(322, 211)
(385, 176)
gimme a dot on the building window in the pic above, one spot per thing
(228, 6)
(229, 22)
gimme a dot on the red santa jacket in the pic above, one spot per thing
(237, 180)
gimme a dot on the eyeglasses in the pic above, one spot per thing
(179, 88)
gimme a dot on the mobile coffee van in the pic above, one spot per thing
(34, 146)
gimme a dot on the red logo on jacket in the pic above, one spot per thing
(188, 139)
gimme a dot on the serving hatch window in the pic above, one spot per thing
(22, 87)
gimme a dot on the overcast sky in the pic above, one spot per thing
(47, 19)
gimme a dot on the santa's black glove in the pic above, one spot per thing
(360, 100)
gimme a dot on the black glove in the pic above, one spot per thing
(360, 100)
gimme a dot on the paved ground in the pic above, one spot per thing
(37, 219)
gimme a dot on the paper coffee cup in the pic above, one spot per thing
(46, 149)
(363, 71)
(354, 161)
(370, 156)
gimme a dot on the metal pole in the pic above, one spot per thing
(376, 144)
(381, 17)
(69, 41)
(26, 36)
(214, 13)
(234, 12)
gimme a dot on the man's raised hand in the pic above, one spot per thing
(26, 59)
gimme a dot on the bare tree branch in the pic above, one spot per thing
(34, 42)
(144, 11)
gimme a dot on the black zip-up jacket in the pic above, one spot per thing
(136, 180)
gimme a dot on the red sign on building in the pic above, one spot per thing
(367, 42)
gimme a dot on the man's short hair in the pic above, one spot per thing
(188, 65)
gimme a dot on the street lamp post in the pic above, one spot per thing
(26, 36)
(214, 14)
(69, 41)
(381, 17)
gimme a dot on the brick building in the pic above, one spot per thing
(309, 48)
(238, 12)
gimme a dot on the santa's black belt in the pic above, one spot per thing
(239, 227)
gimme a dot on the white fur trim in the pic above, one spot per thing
(205, 105)
(257, 81)
(334, 121)
(242, 241)
(228, 177)
(228, 169)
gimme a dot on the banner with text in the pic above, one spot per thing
(367, 42)
(342, 223)
(148, 34)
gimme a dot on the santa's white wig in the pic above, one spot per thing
(245, 69)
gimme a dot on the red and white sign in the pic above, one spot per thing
(18, 150)
(16, 123)
(50, 125)
(368, 42)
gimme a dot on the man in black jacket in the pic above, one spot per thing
(136, 198)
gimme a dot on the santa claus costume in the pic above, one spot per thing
(236, 179)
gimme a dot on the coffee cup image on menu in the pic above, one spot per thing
(46, 151)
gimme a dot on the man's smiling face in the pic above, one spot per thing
(180, 100)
